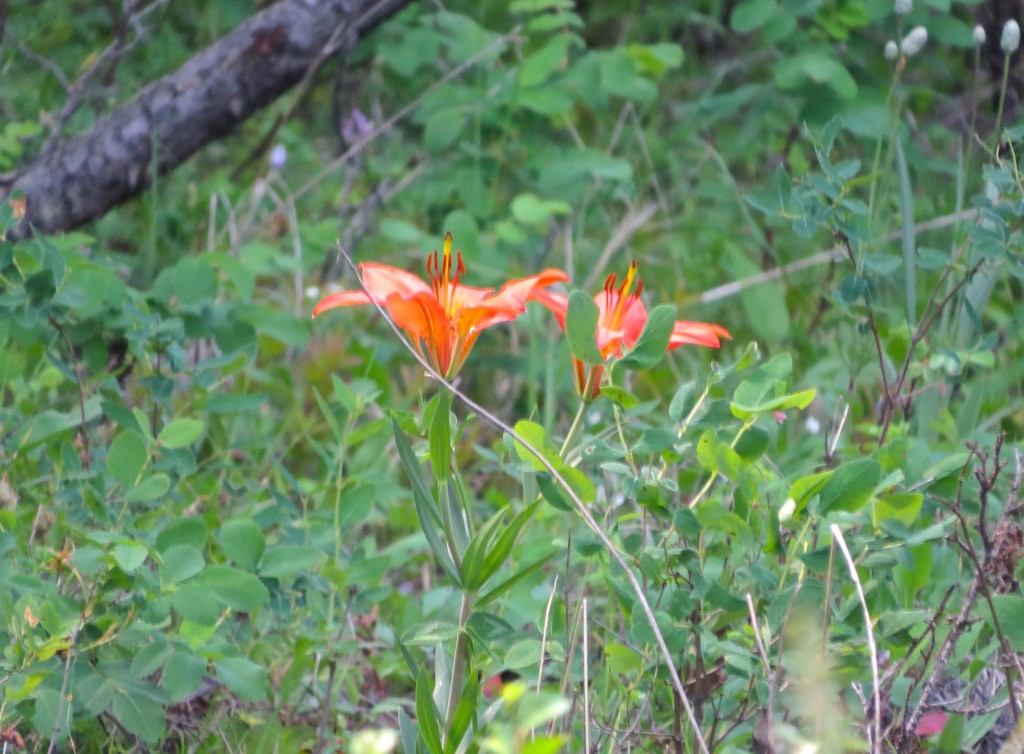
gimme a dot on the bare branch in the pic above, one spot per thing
(180, 113)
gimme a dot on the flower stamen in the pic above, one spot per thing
(627, 283)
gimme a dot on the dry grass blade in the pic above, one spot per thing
(876, 739)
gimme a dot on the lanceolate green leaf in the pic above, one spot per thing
(511, 581)
(426, 506)
(426, 714)
(440, 438)
(497, 554)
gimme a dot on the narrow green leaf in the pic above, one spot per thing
(408, 732)
(496, 555)
(513, 580)
(474, 563)
(431, 633)
(465, 712)
(426, 714)
(329, 417)
(440, 438)
(426, 506)
(581, 328)
(800, 400)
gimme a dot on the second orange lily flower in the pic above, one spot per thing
(621, 319)
(443, 318)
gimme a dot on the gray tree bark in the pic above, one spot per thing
(177, 115)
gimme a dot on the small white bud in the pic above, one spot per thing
(914, 42)
(278, 156)
(979, 35)
(1010, 40)
(903, 7)
(787, 510)
(813, 425)
(891, 50)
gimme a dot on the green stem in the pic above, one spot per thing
(460, 661)
(622, 439)
(892, 109)
(1002, 99)
(574, 429)
(577, 422)
(714, 474)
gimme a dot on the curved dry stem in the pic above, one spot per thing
(876, 742)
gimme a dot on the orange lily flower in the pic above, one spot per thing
(621, 319)
(443, 317)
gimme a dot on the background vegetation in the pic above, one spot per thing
(207, 539)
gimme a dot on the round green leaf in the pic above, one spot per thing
(183, 675)
(126, 458)
(523, 654)
(244, 677)
(287, 560)
(180, 562)
(180, 433)
(242, 540)
(150, 488)
(130, 555)
(235, 588)
(581, 327)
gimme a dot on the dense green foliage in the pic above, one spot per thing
(217, 532)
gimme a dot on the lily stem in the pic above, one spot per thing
(459, 662)
(577, 422)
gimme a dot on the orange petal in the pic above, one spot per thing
(697, 333)
(474, 319)
(344, 298)
(556, 302)
(466, 296)
(418, 315)
(382, 280)
(520, 290)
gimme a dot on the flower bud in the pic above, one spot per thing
(278, 157)
(891, 50)
(979, 35)
(902, 7)
(1010, 40)
(914, 42)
